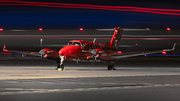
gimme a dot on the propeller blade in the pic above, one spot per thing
(94, 41)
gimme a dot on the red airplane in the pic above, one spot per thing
(78, 50)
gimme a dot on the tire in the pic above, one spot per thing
(109, 67)
(62, 66)
(113, 67)
(58, 66)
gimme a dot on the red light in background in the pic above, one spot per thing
(145, 55)
(81, 29)
(164, 52)
(40, 29)
(1, 29)
(168, 29)
(136, 44)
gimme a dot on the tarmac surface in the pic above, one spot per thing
(145, 81)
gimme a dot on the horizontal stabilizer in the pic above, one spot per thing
(124, 29)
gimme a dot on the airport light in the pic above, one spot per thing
(40, 29)
(81, 29)
(1, 29)
(168, 29)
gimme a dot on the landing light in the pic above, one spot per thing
(168, 29)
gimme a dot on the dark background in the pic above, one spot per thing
(32, 17)
(67, 21)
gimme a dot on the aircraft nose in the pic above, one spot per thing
(68, 50)
(62, 52)
(65, 51)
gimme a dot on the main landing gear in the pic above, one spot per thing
(111, 67)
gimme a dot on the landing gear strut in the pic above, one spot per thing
(111, 67)
(60, 66)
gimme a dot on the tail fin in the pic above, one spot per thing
(114, 43)
(4, 48)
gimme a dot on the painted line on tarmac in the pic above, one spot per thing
(36, 91)
(62, 77)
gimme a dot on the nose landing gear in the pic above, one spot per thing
(60, 66)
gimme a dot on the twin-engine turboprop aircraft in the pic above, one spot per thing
(78, 50)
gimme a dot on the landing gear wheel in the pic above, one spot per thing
(111, 67)
(60, 67)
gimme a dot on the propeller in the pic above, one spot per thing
(42, 52)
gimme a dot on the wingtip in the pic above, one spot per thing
(174, 46)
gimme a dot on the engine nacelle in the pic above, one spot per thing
(48, 52)
(97, 51)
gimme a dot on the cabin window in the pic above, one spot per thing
(83, 45)
(89, 46)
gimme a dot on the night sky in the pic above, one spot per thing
(14, 15)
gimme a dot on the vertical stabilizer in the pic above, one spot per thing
(114, 43)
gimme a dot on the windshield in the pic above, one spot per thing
(74, 43)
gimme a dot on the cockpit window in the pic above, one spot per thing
(74, 43)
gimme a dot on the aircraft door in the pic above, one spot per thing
(83, 46)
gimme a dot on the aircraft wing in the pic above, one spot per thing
(119, 56)
(25, 52)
